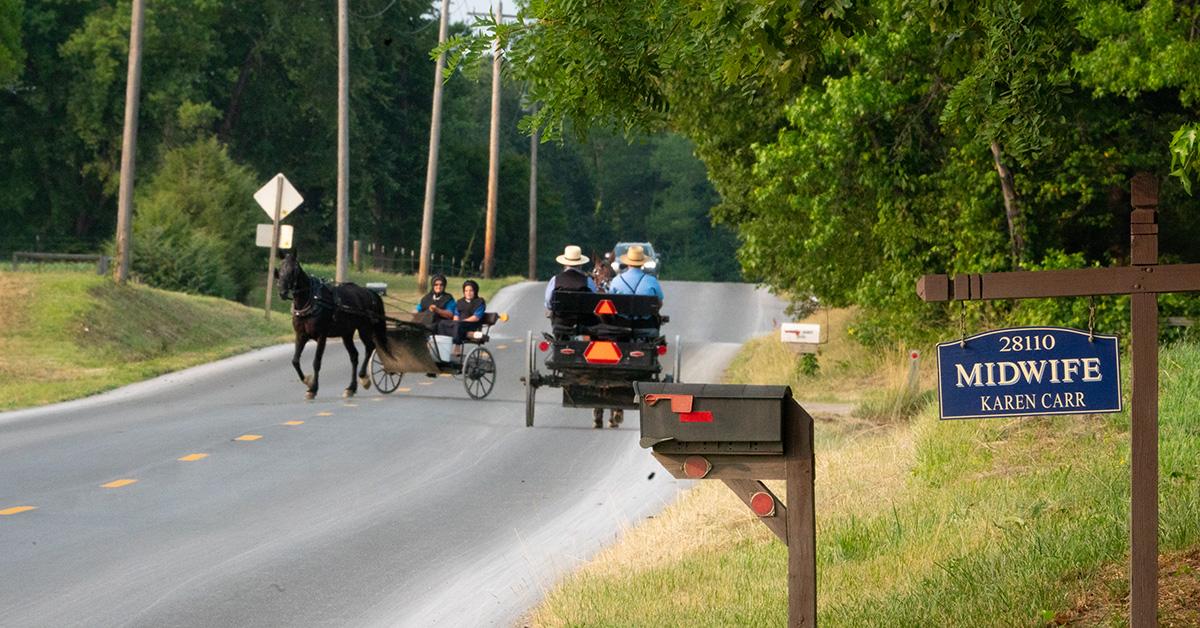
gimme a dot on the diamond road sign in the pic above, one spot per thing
(290, 200)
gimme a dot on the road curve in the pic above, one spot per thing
(418, 508)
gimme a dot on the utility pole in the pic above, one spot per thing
(435, 134)
(489, 242)
(343, 151)
(533, 150)
(133, 85)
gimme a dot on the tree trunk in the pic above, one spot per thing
(1012, 208)
(235, 99)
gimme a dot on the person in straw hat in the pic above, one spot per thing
(634, 280)
(572, 277)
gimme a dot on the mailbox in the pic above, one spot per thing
(714, 418)
(742, 435)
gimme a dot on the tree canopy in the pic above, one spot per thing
(233, 92)
(856, 146)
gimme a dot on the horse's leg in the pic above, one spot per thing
(365, 335)
(348, 340)
(314, 384)
(301, 340)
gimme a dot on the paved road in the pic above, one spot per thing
(419, 508)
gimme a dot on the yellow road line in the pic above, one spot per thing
(350, 405)
(424, 383)
(118, 483)
(249, 437)
(17, 509)
(445, 375)
(405, 389)
(324, 414)
(293, 422)
(501, 346)
(193, 457)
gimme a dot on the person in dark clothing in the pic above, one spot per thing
(467, 318)
(438, 303)
(572, 277)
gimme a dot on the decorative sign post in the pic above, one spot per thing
(743, 435)
(278, 198)
(1144, 279)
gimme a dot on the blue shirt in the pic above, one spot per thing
(635, 281)
(550, 288)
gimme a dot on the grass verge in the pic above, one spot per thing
(65, 334)
(990, 523)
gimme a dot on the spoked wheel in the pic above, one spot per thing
(479, 373)
(531, 379)
(385, 381)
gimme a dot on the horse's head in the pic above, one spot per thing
(289, 277)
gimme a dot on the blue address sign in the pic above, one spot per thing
(1028, 371)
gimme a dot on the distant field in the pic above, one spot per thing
(65, 335)
(921, 523)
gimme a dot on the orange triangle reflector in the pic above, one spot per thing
(602, 352)
(605, 307)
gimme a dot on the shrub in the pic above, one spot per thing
(182, 262)
(201, 201)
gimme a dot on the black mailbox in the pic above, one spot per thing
(713, 418)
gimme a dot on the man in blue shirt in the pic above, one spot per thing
(634, 280)
(438, 303)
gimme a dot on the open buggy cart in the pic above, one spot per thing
(412, 347)
(597, 350)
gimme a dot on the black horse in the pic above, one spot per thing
(321, 310)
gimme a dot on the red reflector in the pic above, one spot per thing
(696, 467)
(605, 307)
(637, 354)
(567, 351)
(602, 352)
(543, 346)
(662, 349)
(695, 417)
(762, 504)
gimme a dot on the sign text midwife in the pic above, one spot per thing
(1028, 371)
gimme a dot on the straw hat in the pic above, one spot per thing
(572, 256)
(635, 256)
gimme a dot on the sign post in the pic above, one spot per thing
(1144, 279)
(278, 198)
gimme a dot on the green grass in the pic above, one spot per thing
(928, 523)
(68, 335)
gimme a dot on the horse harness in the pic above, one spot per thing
(323, 300)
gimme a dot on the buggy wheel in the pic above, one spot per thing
(479, 373)
(384, 381)
(530, 379)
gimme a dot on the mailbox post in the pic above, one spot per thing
(742, 435)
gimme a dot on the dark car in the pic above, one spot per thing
(653, 263)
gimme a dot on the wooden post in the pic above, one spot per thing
(435, 134)
(274, 244)
(489, 241)
(801, 522)
(1143, 527)
(343, 140)
(356, 255)
(533, 159)
(133, 86)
